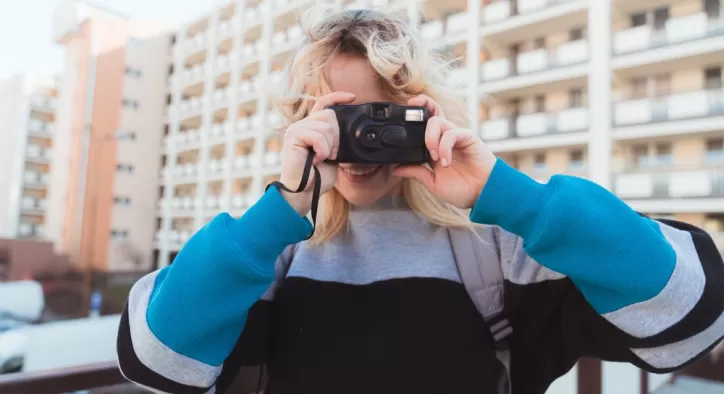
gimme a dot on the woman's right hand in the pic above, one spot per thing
(320, 131)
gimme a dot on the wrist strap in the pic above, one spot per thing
(308, 166)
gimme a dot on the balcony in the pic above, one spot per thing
(683, 42)
(30, 230)
(187, 140)
(452, 31)
(188, 108)
(196, 44)
(42, 103)
(38, 154)
(537, 131)
(503, 23)
(224, 62)
(286, 40)
(247, 91)
(41, 129)
(33, 205)
(35, 179)
(694, 111)
(226, 29)
(241, 201)
(220, 98)
(540, 67)
(672, 190)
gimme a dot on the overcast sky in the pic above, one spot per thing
(26, 28)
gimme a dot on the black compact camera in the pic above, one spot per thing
(384, 133)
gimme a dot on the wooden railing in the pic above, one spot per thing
(84, 377)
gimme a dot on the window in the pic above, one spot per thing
(638, 88)
(715, 150)
(712, 8)
(661, 16)
(575, 98)
(127, 168)
(713, 78)
(663, 153)
(126, 136)
(119, 234)
(640, 155)
(638, 19)
(575, 34)
(122, 200)
(133, 72)
(540, 103)
(576, 159)
(539, 43)
(170, 70)
(130, 104)
(539, 161)
(173, 39)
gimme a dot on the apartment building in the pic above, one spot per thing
(27, 123)
(110, 122)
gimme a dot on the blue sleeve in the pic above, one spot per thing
(199, 304)
(573, 226)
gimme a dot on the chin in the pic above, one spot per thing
(363, 186)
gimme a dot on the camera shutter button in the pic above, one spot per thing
(394, 135)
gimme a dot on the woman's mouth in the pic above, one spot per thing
(358, 175)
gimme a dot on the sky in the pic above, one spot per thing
(26, 42)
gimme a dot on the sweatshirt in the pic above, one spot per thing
(381, 307)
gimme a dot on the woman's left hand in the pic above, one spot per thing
(460, 162)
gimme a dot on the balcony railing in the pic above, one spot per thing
(683, 105)
(677, 30)
(568, 54)
(66, 380)
(501, 10)
(678, 184)
(453, 25)
(537, 124)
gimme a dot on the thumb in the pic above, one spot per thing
(419, 173)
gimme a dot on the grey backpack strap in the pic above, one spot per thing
(478, 260)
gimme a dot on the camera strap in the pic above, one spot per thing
(308, 166)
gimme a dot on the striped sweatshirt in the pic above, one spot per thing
(381, 307)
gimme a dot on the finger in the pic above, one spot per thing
(419, 173)
(433, 132)
(331, 128)
(306, 138)
(450, 139)
(424, 101)
(332, 99)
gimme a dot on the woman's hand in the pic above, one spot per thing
(461, 162)
(320, 131)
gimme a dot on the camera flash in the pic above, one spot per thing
(414, 115)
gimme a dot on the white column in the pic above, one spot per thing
(235, 76)
(207, 111)
(174, 125)
(600, 146)
(472, 63)
(262, 107)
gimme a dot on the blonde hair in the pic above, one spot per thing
(406, 68)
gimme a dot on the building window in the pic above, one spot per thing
(122, 200)
(131, 104)
(126, 136)
(713, 78)
(712, 8)
(539, 161)
(575, 98)
(661, 16)
(638, 19)
(576, 159)
(119, 234)
(127, 168)
(539, 43)
(133, 72)
(715, 150)
(662, 85)
(640, 155)
(540, 103)
(575, 34)
(663, 153)
(638, 88)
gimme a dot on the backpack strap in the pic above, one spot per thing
(478, 260)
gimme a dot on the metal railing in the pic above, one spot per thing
(84, 377)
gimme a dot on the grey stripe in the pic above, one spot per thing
(675, 301)
(678, 353)
(518, 267)
(153, 353)
(499, 325)
(504, 333)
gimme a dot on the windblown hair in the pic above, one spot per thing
(406, 68)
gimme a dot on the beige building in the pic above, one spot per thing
(627, 93)
(110, 122)
(27, 123)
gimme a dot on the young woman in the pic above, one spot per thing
(374, 302)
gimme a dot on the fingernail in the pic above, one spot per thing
(433, 154)
(444, 162)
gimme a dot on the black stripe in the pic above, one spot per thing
(711, 304)
(135, 371)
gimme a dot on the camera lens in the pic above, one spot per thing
(380, 112)
(371, 136)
